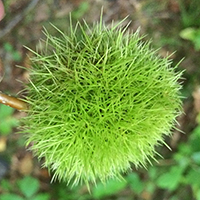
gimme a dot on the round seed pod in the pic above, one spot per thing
(100, 99)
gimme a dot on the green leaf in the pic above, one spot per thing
(42, 196)
(5, 111)
(28, 186)
(8, 47)
(198, 195)
(10, 197)
(150, 187)
(188, 33)
(196, 131)
(112, 187)
(82, 9)
(135, 183)
(197, 42)
(16, 56)
(185, 149)
(5, 128)
(194, 144)
(196, 157)
(5, 185)
(7, 122)
(193, 177)
(170, 180)
(152, 173)
(193, 35)
(182, 159)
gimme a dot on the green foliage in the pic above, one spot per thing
(10, 197)
(193, 35)
(7, 121)
(111, 187)
(135, 183)
(190, 15)
(100, 98)
(27, 189)
(132, 182)
(5, 185)
(170, 180)
(16, 56)
(28, 186)
(187, 169)
(62, 192)
(81, 10)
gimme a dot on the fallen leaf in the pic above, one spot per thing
(26, 164)
(3, 143)
(196, 96)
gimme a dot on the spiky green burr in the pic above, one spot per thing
(100, 100)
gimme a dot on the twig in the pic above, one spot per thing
(13, 102)
(18, 18)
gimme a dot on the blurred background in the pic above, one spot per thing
(174, 27)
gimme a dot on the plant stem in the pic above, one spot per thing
(12, 102)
